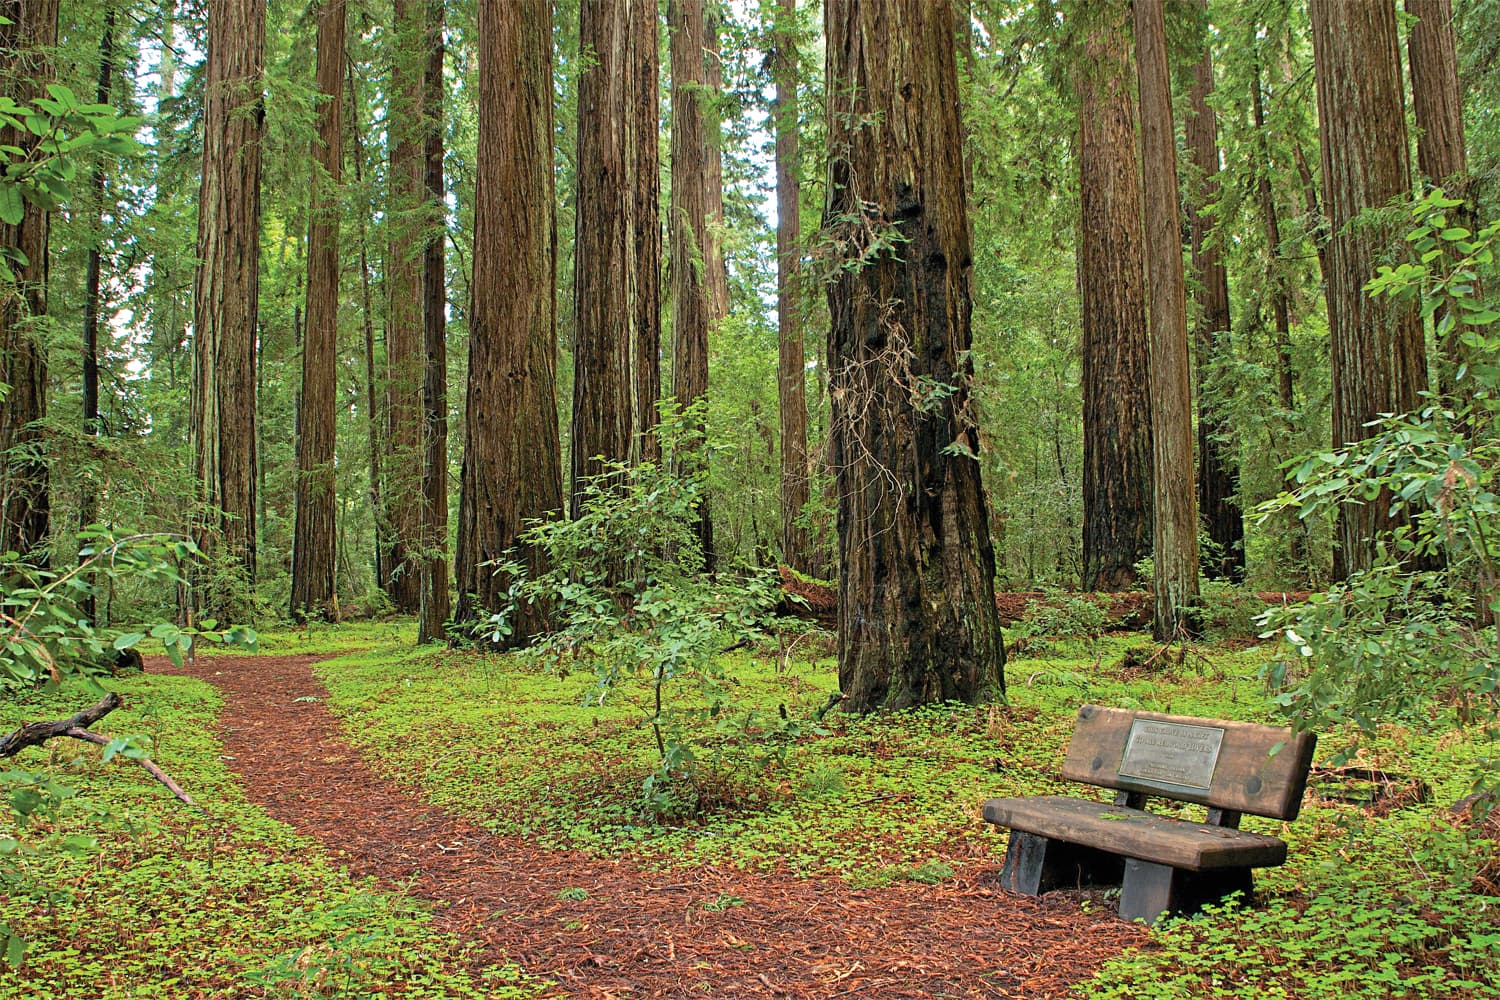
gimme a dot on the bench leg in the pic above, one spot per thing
(1025, 858)
(1149, 890)
(1035, 864)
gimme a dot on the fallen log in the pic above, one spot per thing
(34, 734)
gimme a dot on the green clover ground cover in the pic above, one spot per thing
(180, 903)
(1366, 906)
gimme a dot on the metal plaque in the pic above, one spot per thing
(1169, 753)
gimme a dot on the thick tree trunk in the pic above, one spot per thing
(1379, 358)
(1112, 284)
(791, 368)
(1218, 479)
(646, 185)
(1437, 99)
(405, 361)
(313, 542)
(917, 619)
(512, 466)
(604, 248)
(693, 241)
(1175, 524)
(88, 500)
(226, 295)
(26, 43)
(435, 603)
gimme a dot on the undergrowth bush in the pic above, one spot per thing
(1411, 632)
(631, 597)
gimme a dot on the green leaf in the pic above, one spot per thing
(12, 208)
(128, 639)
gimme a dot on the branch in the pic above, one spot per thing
(36, 733)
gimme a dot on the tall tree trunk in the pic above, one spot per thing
(604, 248)
(693, 240)
(512, 466)
(405, 362)
(314, 550)
(1175, 524)
(791, 368)
(1277, 276)
(26, 42)
(226, 293)
(88, 500)
(435, 602)
(1379, 358)
(1112, 283)
(646, 185)
(1218, 479)
(917, 619)
(1437, 99)
(373, 413)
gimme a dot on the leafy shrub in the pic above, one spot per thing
(1392, 639)
(630, 597)
(1063, 615)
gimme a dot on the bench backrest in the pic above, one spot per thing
(1223, 765)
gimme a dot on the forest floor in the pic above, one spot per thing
(612, 928)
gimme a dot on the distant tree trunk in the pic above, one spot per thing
(646, 123)
(226, 294)
(917, 619)
(435, 604)
(314, 552)
(26, 44)
(604, 248)
(1218, 479)
(512, 466)
(88, 501)
(796, 546)
(1437, 99)
(693, 241)
(1379, 359)
(405, 362)
(1276, 269)
(1116, 342)
(367, 319)
(1175, 524)
(1276, 284)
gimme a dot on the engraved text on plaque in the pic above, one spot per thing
(1172, 754)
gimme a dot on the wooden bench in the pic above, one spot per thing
(1161, 864)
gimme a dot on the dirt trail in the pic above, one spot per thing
(642, 933)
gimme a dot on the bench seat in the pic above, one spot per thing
(1134, 833)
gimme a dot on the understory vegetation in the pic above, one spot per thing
(110, 888)
(1384, 893)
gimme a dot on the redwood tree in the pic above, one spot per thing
(512, 466)
(1218, 481)
(1376, 345)
(1175, 522)
(313, 545)
(694, 264)
(434, 604)
(791, 368)
(917, 619)
(404, 334)
(26, 42)
(1437, 100)
(646, 184)
(226, 292)
(1112, 282)
(604, 246)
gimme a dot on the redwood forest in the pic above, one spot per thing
(781, 498)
